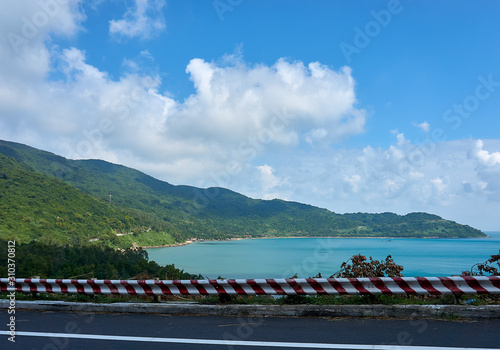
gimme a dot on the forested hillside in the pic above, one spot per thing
(49, 198)
(34, 206)
(52, 261)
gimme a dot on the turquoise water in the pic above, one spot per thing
(282, 258)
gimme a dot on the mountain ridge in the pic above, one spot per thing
(180, 212)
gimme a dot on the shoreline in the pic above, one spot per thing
(191, 241)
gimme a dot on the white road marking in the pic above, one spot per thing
(237, 342)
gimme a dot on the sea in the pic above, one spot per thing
(307, 257)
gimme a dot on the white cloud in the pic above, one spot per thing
(353, 181)
(488, 170)
(25, 28)
(27, 103)
(269, 182)
(486, 157)
(237, 101)
(389, 179)
(400, 137)
(439, 184)
(316, 135)
(268, 179)
(237, 113)
(142, 20)
(416, 174)
(424, 126)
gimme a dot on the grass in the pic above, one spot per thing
(473, 300)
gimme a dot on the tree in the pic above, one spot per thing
(360, 267)
(480, 269)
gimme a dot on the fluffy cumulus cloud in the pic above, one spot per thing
(25, 27)
(236, 100)
(486, 158)
(26, 100)
(270, 183)
(488, 170)
(142, 20)
(451, 179)
(237, 113)
(424, 126)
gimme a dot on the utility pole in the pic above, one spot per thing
(109, 199)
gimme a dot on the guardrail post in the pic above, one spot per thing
(92, 296)
(35, 294)
(157, 298)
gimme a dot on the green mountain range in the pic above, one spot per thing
(52, 199)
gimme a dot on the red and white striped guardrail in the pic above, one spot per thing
(298, 286)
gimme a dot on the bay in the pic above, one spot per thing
(306, 257)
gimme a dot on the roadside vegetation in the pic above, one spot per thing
(473, 300)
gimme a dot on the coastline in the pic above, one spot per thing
(386, 238)
(191, 241)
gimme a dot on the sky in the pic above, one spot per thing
(354, 106)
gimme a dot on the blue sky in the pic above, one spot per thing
(349, 105)
(427, 58)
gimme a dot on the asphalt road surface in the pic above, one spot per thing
(64, 330)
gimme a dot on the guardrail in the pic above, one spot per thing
(297, 286)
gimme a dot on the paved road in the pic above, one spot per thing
(63, 330)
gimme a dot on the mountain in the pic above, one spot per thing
(37, 206)
(45, 196)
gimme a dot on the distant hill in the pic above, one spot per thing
(48, 197)
(37, 206)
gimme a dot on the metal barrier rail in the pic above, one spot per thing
(297, 286)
